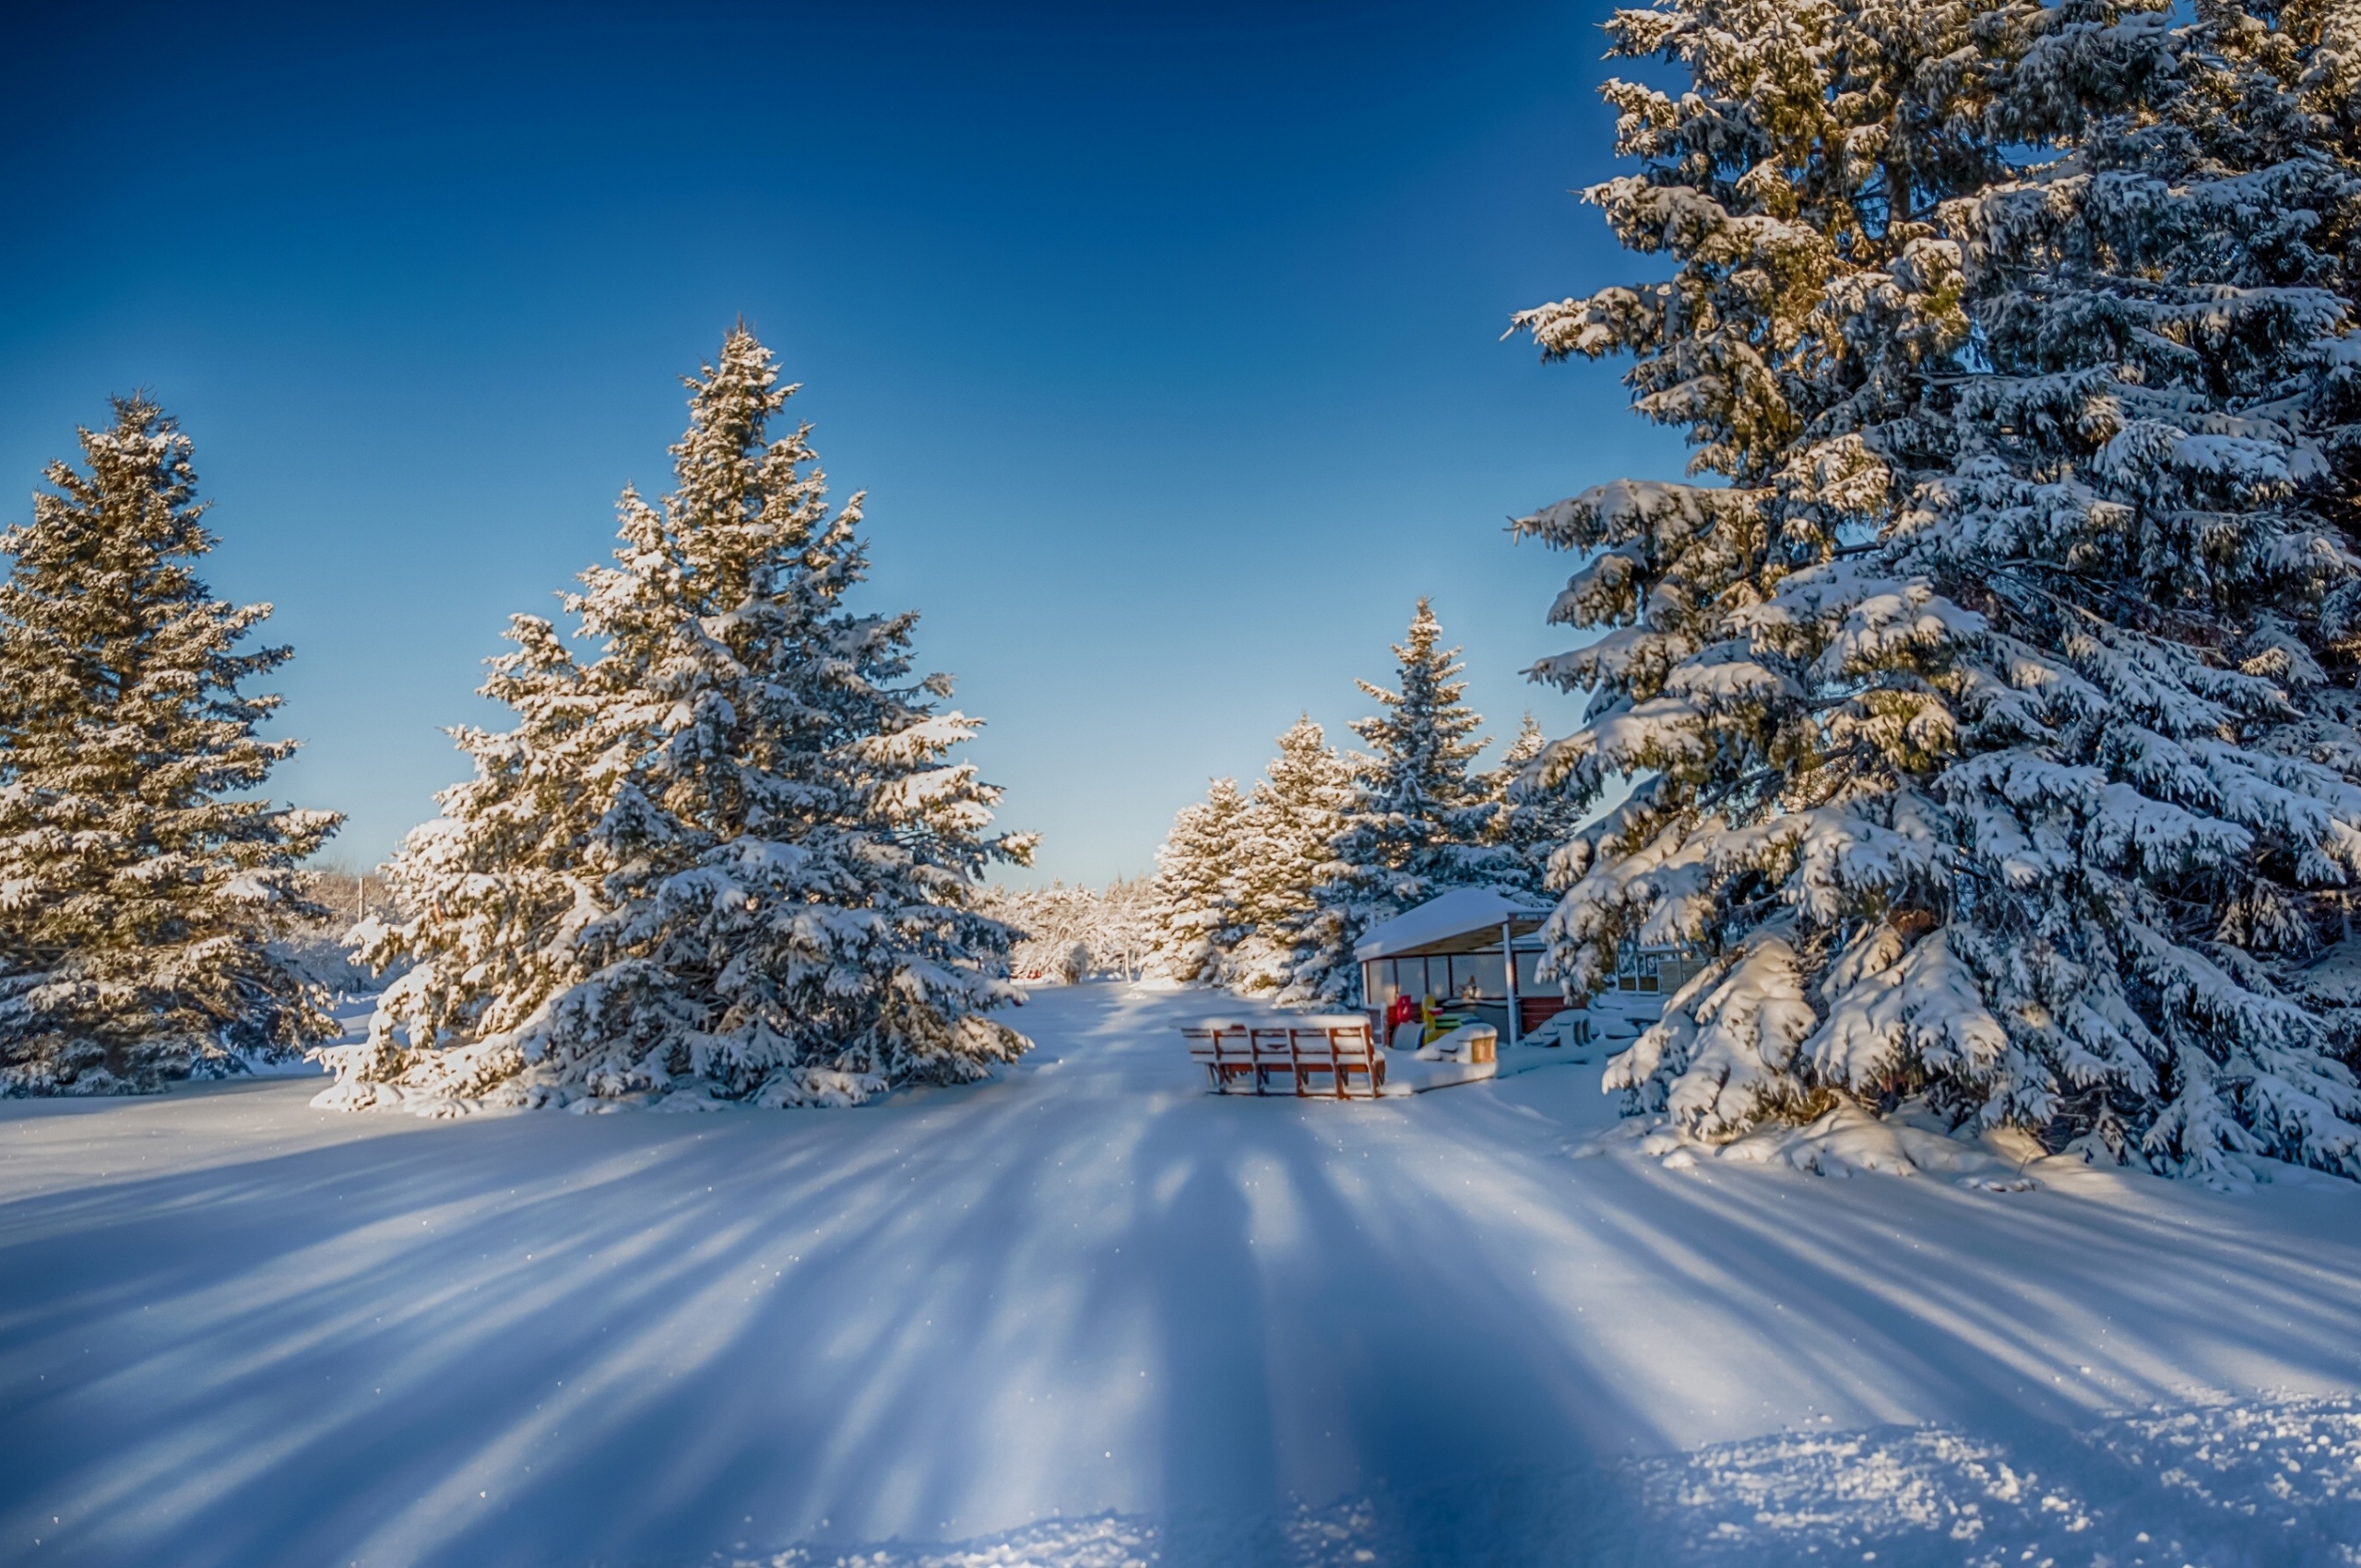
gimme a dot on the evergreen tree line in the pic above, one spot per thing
(722, 851)
(1266, 892)
(1986, 694)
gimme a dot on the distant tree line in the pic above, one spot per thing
(1065, 934)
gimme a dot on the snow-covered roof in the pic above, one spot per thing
(1459, 913)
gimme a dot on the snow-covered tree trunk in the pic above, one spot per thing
(141, 881)
(727, 856)
(1979, 716)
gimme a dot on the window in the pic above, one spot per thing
(1491, 977)
(1377, 978)
(1528, 976)
(1674, 973)
(1637, 972)
(1411, 977)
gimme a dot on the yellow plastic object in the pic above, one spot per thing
(1434, 1023)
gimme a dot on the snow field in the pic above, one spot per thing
(1090, 1315)
(2262, 1482)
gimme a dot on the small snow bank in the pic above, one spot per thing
(1910, 1141)
(1848, 1141)
(793, 1088)
(2262, 1482)
(2275, 1482)
(1468, 1054)
(1450, 1060)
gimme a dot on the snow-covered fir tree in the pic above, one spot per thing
(1531, 818)
(1195, 919)
(1419, 822)
(142, 880)
(2279, 87)
(727, 855)
(1976, 713)
(1286, 842)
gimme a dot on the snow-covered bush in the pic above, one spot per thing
(1124, 927)
(141, 881)
(1994, 717)
(724, 854)
(323, 954)
(325, 948)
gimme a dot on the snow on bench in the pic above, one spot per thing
(1331, 1056)
(1325, 1054)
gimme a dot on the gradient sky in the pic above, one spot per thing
(1165, 340)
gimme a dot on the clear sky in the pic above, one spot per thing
(1165, 340)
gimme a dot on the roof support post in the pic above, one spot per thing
(1508, 956)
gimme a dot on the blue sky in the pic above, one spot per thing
(1165, 341)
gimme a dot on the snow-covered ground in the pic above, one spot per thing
(1088, 1314)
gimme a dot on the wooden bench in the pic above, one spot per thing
(1356, 1055)
(1223, 1048)
(1315, 1062)
(1275, 1058)
(1328, 1056)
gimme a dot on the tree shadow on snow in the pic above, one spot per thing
(551, 1339)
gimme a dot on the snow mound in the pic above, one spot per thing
(820, 1087)
(2231, 1483)
(1406, 1074)
(1850, 1141)
(1107, 1541)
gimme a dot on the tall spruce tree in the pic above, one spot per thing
(1286, 840)
(1196, 914)
(1970, 712)
(1419, 822)
(141, 881)
(1530, 819)
(2274, 88)
(728, 855)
